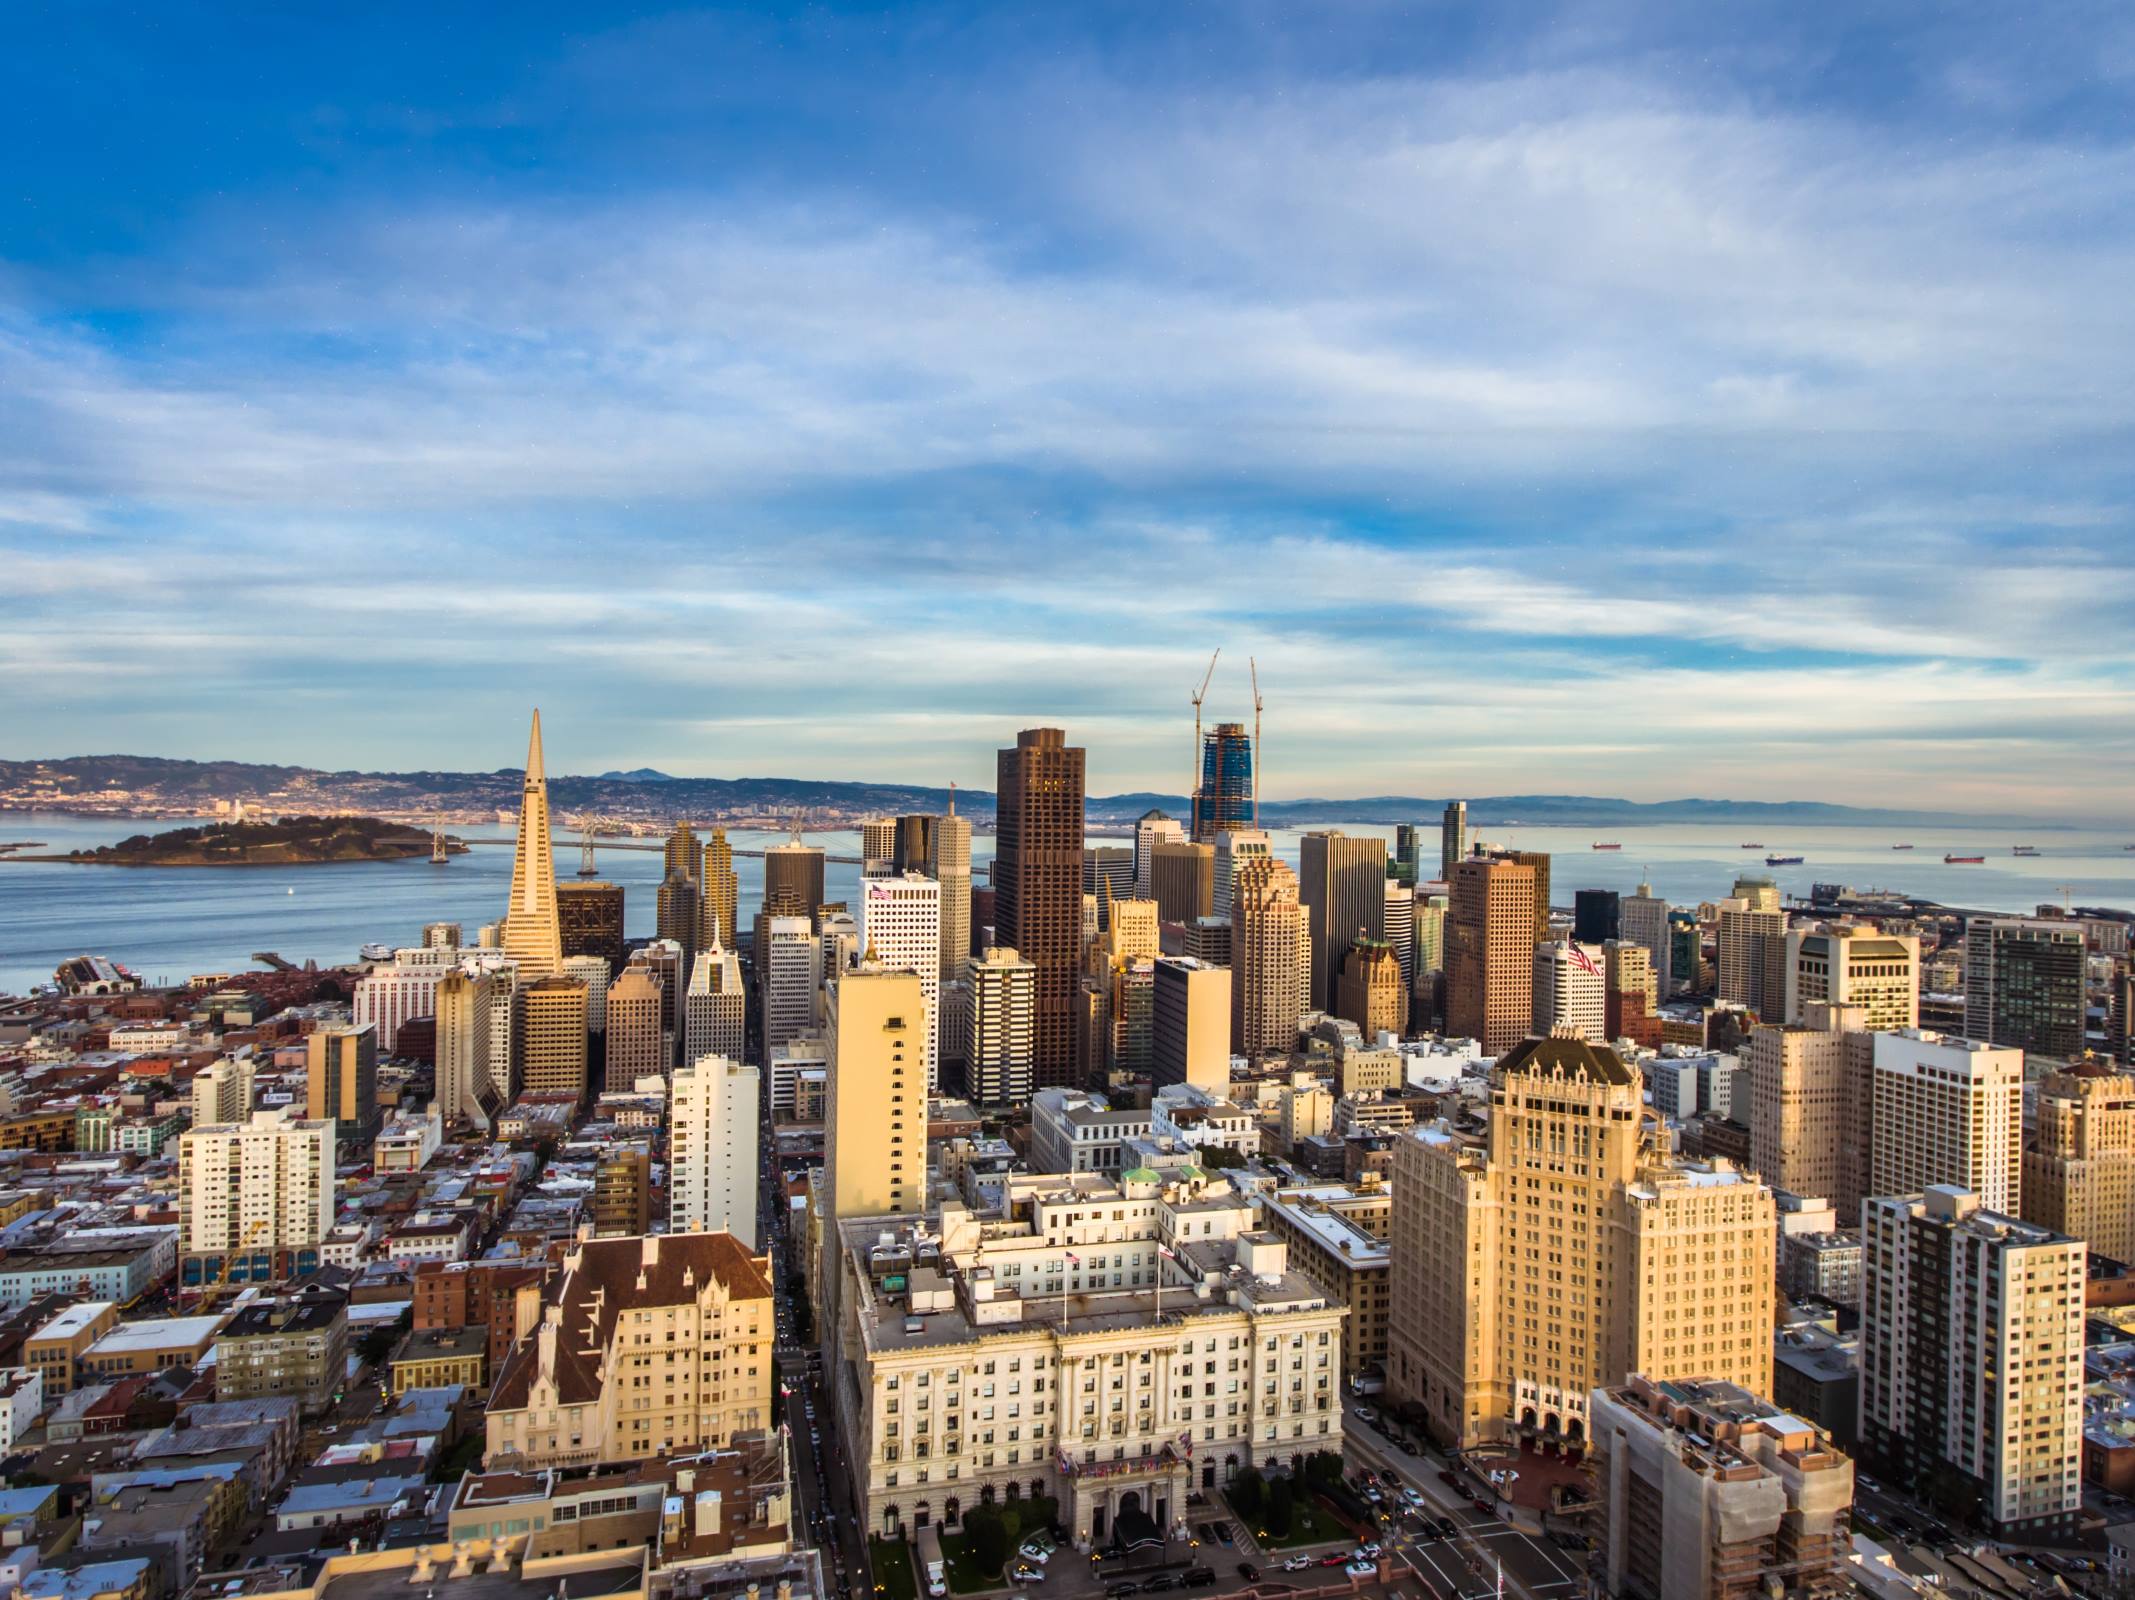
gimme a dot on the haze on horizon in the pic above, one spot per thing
(1584, 398)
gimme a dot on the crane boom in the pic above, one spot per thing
(1193, 788)
(1253, 666)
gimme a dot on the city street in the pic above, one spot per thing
(1483, 1547)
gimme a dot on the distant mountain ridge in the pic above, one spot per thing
(73, 782)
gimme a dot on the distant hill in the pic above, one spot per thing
(147, 783)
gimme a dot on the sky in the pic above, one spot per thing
(1645, 400)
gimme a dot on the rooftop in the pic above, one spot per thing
(157, 1333)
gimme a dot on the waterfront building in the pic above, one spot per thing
(1037, 880)
(1972, 1357)
(715, 1115)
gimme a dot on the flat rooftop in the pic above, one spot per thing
(157, 1333)
(74, 1319)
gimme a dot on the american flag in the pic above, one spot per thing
(1583, 961)
(1073, 1259)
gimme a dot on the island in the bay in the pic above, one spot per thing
(291, 841)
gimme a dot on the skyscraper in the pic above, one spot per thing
(1753, 950)
(789, 966)
(875, 1123)
(1400, 924)
(254, 1199)
(715, 1131)
(1150, 830)
(1536, 862)
(713, 1009)
(533, 932)
(590, 916)
(1490, 946)
(1655, 1265)
(1371, 993)
(1234, 849)
(1946, 1111)
(553, 1018)
(341, 1081)
(1452, 837)
(1190, 1022)
(1568, 991)
(1848, 965)
(680, 911)
(1972, 1355)
(1644, 917)
(878, 844)
(1597, 916)
(948, 863)
(1342, 881)
(900, 930)
(465, 1089)
(683, 853)
(1810, 1084)
(793, 880)
(1182, 881)
(635, 1046)
(2079, 1168)
(1038, 884)
(1224, 799)
(2024, 985)
(722, 893)
(998, 1051)
(1630, 1005)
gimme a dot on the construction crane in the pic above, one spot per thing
(1194, 787)
(1253, 666)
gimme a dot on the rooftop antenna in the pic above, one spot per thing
(1254, 667)
(1195, 789)
(952, 797)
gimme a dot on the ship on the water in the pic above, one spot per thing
(1783, 861)
(1963, 861)
(1608, 846)
(1753, 846)
(2024, 850)
(1901, 847)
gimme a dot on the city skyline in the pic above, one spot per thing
(1547, 398)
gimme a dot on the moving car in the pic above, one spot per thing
(1248, 1571)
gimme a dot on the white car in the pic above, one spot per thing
(1368, 1552)
(1298, 1564)
(1361, 1569)
(1036, 1550)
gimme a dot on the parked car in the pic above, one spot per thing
(1360, 1413)
(1224, 1533)
(1248, 1571)
(1297, 1564)
(1361, 1569)
(1159, 1584)
(1024, 1572)
(1199, 1578)
(1038, 1550)
(1335, 1560)
(1445, 1476)
(1368, 1551)
(1122, 1589)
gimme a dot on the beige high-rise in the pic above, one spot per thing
(465, 1089)
(554, 1021)
(722, 892)
(1854, 966)
(634, 1048)
(1567, 1250)
(1270, 948)
(1753, 950)
(1947, 1111)
(1490, 949)
(875, 1125)
(2079, 1168)
(533, 932)
(1371, 993)
(1809, 1105)
(949, 864)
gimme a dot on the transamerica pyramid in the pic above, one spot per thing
(533, 935)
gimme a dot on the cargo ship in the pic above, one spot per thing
(1753, 847)
(1782, 861)
(1964, 861)
(2024, 850)
(1608, 847)
(1901, 847)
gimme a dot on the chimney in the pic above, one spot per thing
(650, 1256)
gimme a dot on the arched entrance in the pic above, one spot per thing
(948, 1513)
(892, 1522)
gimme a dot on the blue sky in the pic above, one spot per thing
(1644, 400)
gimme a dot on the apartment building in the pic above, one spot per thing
(255, 1199)
(2079, 1162)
